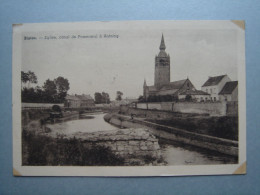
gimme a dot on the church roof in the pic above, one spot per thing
(152, 88)
(174, 85)
(229, 87)
(213, 80)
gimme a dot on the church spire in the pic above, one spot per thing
(162, 46)
(145, 83)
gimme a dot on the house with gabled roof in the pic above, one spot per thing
(79, 101)
(229, 92)
(214, 85)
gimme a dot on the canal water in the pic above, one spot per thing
(173, 153)
(84, 123)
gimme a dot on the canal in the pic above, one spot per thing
(173, 153)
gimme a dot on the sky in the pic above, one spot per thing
(197, 50)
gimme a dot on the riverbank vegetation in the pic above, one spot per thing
(223, 127)
(41, 150)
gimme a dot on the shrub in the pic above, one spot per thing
(41, 150)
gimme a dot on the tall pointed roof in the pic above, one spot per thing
(145, 82)
(162, 45)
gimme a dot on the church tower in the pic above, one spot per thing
(162, 67)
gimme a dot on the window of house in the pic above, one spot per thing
(215, 99)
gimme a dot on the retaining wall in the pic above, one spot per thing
(211, 108)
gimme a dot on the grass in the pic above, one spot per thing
(223, 127)
(39, 150)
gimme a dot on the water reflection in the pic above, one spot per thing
(180, 154)
(84, 123)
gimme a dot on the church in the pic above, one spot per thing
(162, 81)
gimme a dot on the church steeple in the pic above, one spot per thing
(162, 67)
(145, 83)
(162, 45)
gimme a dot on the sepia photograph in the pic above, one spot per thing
(129, 98)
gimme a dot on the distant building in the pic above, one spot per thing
(197, 95)
(214, 85)
(125, 101)
(79, 101)
(229, 92)
(162, 84)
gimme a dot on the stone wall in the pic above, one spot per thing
(211, 108)
(152, 114)
(136, 146)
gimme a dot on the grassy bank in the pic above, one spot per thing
(223, 127)
(40, 150)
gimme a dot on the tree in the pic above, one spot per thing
(50, 91)
(24, 77)
(119, 95)
(98, 98)
(28, 77)
(62, 86)
(28, 95)
(32, 77)
(105, 98)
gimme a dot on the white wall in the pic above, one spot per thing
(215, 89)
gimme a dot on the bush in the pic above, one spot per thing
(41, 150)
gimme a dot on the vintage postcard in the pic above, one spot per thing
(129, 98)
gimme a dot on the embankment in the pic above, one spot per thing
(103, 148)
(221, 145)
